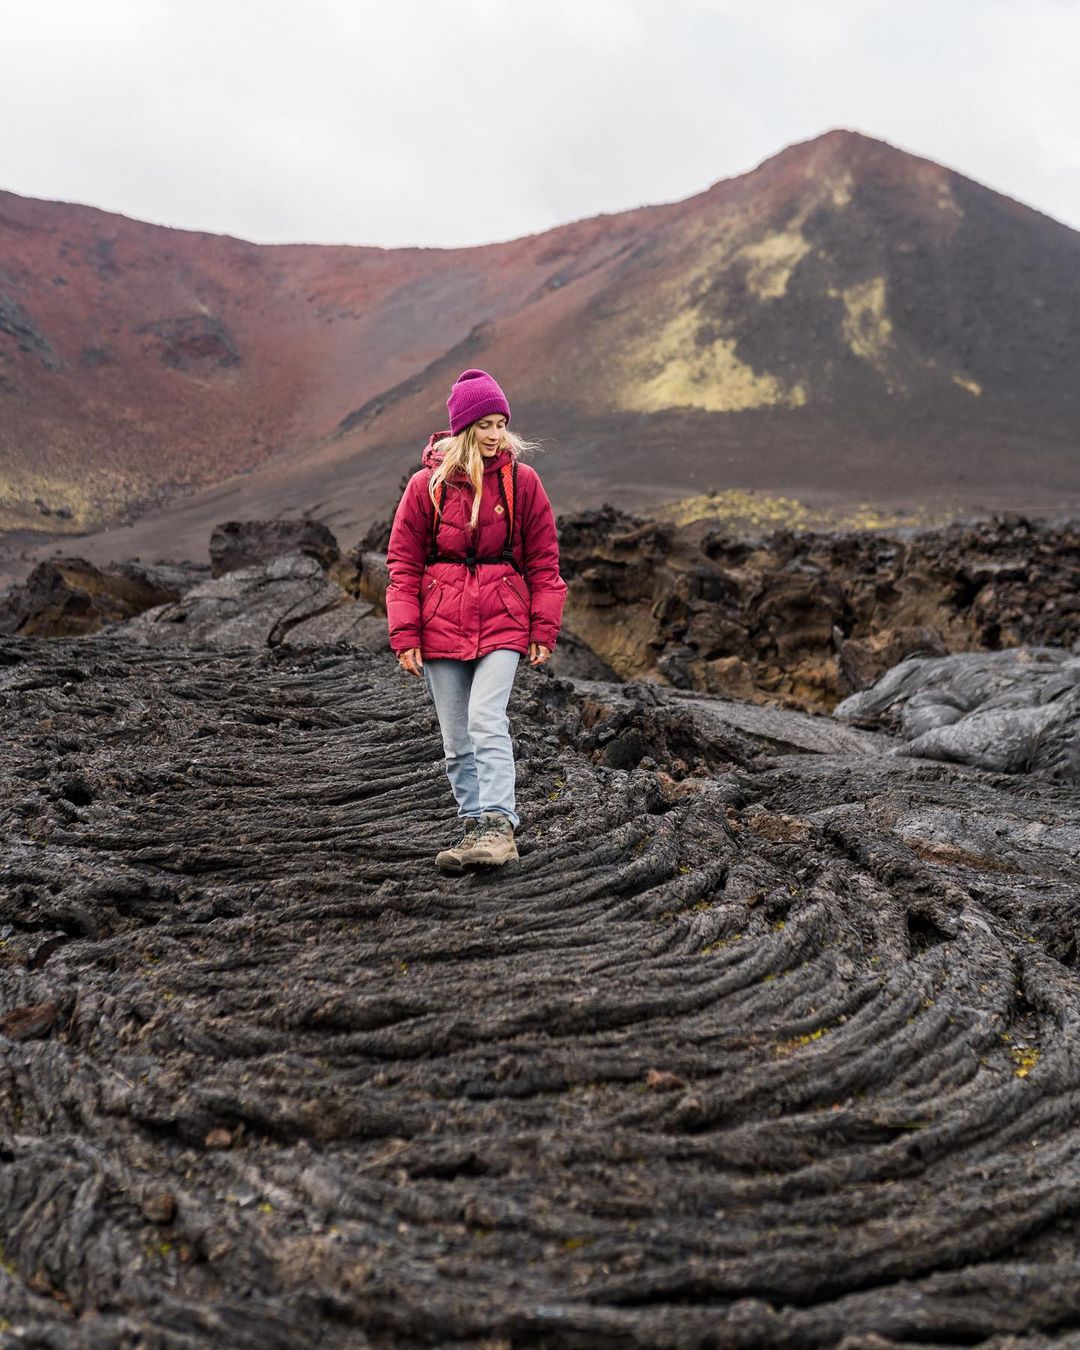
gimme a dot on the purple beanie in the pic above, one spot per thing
(474, 395)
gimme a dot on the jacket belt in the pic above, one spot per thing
(471, 561)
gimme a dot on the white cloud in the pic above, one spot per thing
(448, 122)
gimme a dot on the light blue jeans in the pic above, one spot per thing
(470, 698)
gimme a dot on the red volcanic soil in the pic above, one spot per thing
(846, 323)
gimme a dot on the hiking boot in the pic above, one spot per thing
(452, 859)
(492, 843)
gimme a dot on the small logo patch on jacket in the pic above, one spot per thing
(499, 509)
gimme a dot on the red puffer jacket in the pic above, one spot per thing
(449, 610)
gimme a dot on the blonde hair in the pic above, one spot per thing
(462, 456)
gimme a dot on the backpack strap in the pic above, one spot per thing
(510, 479)
(436, 516)
(506, 492)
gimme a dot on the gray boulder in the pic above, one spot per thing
(1013, 711)
(260, 606)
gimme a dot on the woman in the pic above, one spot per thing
(474, 586)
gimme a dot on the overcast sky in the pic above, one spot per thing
(447, 122)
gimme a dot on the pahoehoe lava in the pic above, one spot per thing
(743, 1052)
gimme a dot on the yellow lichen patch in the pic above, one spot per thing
(840, 190)
(947, 202)
(720, 944)
(735, 504)
(772, 261)
(798, 1042)
(972, 386)
(867, 327)
(708, 376)
(936, 187)
(867, 517)
(737, 507)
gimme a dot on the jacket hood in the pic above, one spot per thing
(432, 457)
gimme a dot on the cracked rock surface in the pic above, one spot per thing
(770, 1038)
(289, 599)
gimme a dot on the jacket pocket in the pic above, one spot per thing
(430, 601)
(515, 605)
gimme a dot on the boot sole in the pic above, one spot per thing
(461, 864)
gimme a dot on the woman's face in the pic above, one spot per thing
(489, 434)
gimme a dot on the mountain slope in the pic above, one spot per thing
(847, 319)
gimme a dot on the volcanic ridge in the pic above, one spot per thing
(847, 323)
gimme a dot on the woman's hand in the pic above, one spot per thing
(538, 653)
(411, 661)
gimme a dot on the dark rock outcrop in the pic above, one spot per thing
(246, 543)
(806, 618)
(16, 323)
(66, 597)
(862, 661)
(372, 578)
(196, 344)
(769, 1038)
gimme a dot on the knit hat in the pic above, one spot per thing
(474, 395)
